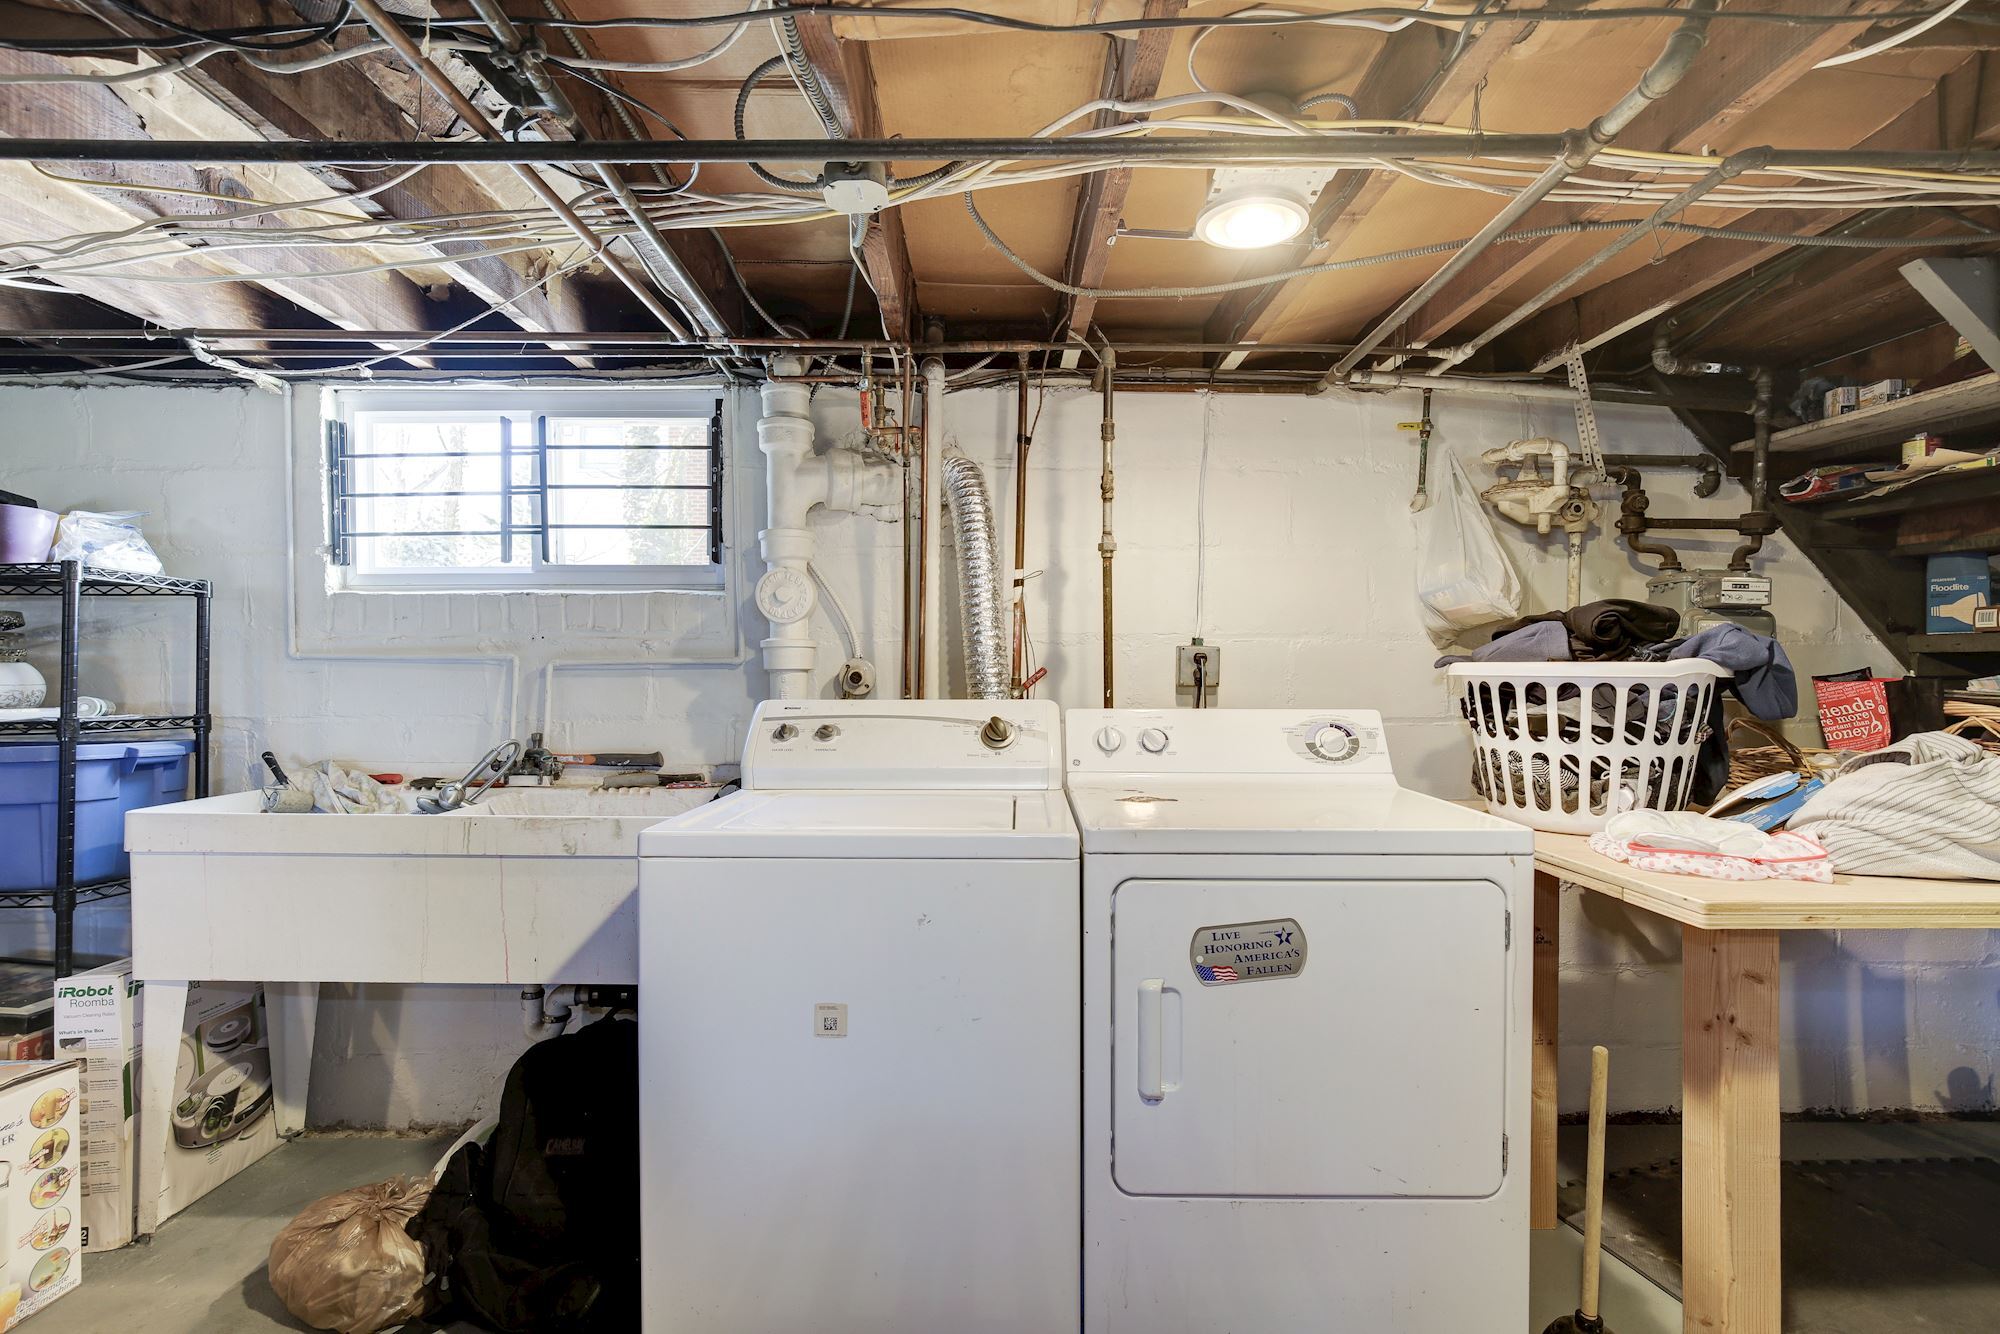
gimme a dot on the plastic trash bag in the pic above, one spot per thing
(1464, 576)
(106, 541)
(347, 1264)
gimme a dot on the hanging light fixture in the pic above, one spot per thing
(1250, 218)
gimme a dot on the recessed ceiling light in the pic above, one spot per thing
(1250, 219)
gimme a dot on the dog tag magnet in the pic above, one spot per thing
(1248, 952)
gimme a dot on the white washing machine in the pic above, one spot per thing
(859, 1065)
(1306, 1032)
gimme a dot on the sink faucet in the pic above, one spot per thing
(536, 761)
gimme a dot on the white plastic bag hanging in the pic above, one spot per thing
(1464, 576)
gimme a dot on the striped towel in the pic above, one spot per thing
(1927, 806)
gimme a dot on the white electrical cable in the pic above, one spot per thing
(659, 66)
(1894, 39)
(1201, 516)
(835, 612)
(1317, 20)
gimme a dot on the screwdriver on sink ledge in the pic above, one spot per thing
(613, 760)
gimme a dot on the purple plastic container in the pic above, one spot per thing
(26, 534)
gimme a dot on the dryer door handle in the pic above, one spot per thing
(1152, 1041)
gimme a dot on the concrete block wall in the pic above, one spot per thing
(1277, 528)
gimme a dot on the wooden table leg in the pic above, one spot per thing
(1547, 959)
(1730, 1282)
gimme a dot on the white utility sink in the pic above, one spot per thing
(529, 885)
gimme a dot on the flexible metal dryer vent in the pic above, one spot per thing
(978, 578)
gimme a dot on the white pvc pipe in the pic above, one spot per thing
(933, 664)
(795, 481)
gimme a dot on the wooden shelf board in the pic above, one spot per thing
(1927, 494)
(1972, 641)
(1955, 407)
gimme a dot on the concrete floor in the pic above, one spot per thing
(204, 1272)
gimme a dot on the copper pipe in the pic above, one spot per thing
(392, 32)
(909, 547)
(1107, 546)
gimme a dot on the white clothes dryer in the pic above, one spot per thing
(1306, 1032)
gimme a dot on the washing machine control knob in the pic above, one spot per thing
(998, 734)
(1109, 739)
(1334, 742)
(825, 732)
(784, 732)
(1153, 740)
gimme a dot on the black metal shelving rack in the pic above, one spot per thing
(72, 582)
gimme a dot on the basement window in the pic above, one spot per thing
(505, 491)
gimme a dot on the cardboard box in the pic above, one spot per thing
(1959, 583)
(1853, 714)
(97, 1022)
(39, 1130)
(1882, 391)
(224, 1097)
(1842, 400)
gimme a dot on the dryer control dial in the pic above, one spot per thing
(1153, 740)
(1334, 743)
(1109, 739)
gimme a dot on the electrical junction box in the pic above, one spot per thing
(1712, 597)
(856, 188)
(1211, 669)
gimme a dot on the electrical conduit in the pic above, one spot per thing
(930, 668)
(1580, 147)
(797, 480)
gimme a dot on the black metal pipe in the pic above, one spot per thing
(1317, 148)
(148, 341)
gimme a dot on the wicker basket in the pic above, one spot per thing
(1985, 731)
(1748, 763)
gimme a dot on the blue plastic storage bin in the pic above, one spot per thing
(112, 777)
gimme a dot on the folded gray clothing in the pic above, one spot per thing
(1539, 641)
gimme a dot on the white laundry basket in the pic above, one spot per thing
(1564, 746)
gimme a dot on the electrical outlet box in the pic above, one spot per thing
(1211, 666)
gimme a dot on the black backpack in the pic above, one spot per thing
(539, 1230)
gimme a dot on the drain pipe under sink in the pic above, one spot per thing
(796, 481)
(545, 1012)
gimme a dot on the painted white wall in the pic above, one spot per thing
(1302, 574)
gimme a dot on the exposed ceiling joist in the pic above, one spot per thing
(212, 284)
(1132, 72)
(847, 74)
(347, 101)
(1952, 113)
(1730, 80)
(1406, 74)
(1795, 320)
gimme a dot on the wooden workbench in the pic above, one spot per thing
(1730, 1109)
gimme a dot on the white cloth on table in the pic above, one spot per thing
(1683, 843)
